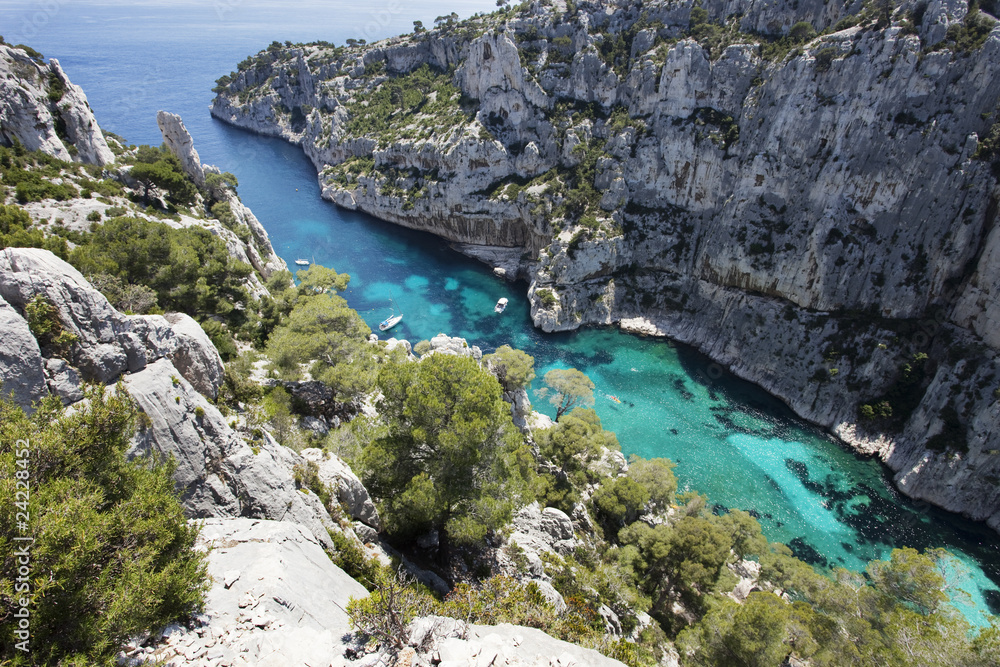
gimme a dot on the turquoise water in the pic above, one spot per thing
(730, 440)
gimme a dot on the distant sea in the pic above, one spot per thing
(730, 440)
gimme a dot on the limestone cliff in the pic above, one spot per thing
(815, 211)
(44, 111)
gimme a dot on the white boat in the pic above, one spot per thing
(302, 262)
(389, 322)
(501, 306)
(393, 319)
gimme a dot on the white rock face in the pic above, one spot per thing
(450, 643)
(195, 356)
(457, 347)
(21, 374)
(276, 600)
(180, 143)
(350, 491)
(537, 530)
(109, 342)
(219, 474)
(28, 115)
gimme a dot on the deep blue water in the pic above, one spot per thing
(730, 440)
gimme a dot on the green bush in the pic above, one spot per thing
(824, 58)
(47, 327)
(189, 269)
(547, 297)
(30, 186)
(18, 231)
(353, 560)
(112, 554)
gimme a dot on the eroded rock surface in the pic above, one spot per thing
(276, 600)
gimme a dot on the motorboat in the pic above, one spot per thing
(501, 306)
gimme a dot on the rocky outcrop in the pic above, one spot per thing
(170, 369)
(108, 343)
(351, 493)
(456, 347)
(41, 109)
(259, 253)
(538, 530)
(194, 356)
(811, 221)
(219, 473)
(276, 599)
(178, 140)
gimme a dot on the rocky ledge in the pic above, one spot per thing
(277, 599)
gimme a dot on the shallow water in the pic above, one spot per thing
(730, 440)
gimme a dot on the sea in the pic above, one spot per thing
(729, 439)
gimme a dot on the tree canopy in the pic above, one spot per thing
(161, 169)
(514, 368)
(567, 388)
(324, 330)
(451, 459)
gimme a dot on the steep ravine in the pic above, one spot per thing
(816, 219)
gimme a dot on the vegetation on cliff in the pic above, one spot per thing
(110, 553)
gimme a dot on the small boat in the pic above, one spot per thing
(389, 322)
(501, 306)
(393, 319)
(614, 398)
(302, 262)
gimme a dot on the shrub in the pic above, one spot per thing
(382, 617)
(47, 327)
(30, 186)
(547, 297)
(353, 560)
(112, 554)
(801, 32)
(824, 58)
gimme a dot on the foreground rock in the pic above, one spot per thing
(446, 642)
(276, 600)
